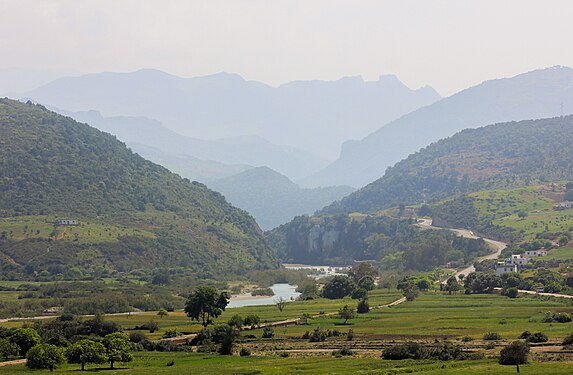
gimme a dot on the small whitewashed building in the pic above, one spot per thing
(503, 267)
(535, 253)
(66, 222)
(518, 259)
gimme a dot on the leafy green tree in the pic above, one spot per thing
(359, 293)
(362, 269)
(162, 312)
(367, 282)
(346, 313)
(25, 338)
(8, 349)
(452, 285)
(86, 351)
(44, 356)
(206, 303)
(514, 354)
(338, 287)
(117, 348)
(411, 292)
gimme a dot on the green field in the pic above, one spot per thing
(194, 363)
(562, 253)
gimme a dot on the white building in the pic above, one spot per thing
(66, 222)
(535, 253)
(502, 268)
(518, 259)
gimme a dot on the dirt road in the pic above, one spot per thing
(498, 246)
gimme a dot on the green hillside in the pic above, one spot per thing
(132, 213)
(497, 156)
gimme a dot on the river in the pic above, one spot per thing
(285, 291)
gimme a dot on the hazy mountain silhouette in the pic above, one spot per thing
(161, 145)
(317, 116)
(531, 95)
(272, 198)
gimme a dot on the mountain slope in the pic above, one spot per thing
(313, 115)
(496, 156)
(168, 147)
(132, 213)
(272, 198)
(537, 94)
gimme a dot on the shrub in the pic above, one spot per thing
(363, 306)
(537, 337)
(568, 340)
(268, 332)
(317, 336)
(350, 335)
(170, 333)
(510, 292)
(410, 350)
(492, 336)
(467, 339)
(284, 354)
(137, 337)
(342, 352)
(562, 317)
(359, 293)
(245, 352)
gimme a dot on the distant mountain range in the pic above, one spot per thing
(130, 213)
(272, 198)
(316, 116)
(504, 155)
(533, 95)
(199, 159)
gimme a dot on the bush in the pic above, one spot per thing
(557, 317)
(137, 337)
(170, 333)
(467, 339)
(342, 352)
(492, 336)
(251, 320)
(245, 352)
(359, 293)
(410, 350)
(263, 292)
(25, 338)
(317, 336)
(510, 292)
(568, 340)
(534, 337)
(350, 335)
(283, 354)
(268, 332)
(363, 306)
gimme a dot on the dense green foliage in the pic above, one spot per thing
(398, 244)
(205, 304)
(502, 155)
(52, 168)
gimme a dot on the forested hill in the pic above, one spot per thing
(52, 167)
(501, 155)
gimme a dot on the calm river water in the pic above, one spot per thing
(285, 291)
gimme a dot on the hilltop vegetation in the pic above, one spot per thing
(497, 156)
(53, 167)
(397, 244)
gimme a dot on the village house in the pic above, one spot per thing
(503, 267)
(567, 205)
(518, 259)
(66, 222)
(535, 253)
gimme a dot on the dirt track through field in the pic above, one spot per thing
(14, 362)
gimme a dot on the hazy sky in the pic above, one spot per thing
(447, 44)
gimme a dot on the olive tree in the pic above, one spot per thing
(206, 303)
(117, 348)
(514, 354)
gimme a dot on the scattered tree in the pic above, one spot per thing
(86, 351)
(362, 269)
(44, 356)
(452, 285)
(346, 313)
(514, 354)
(338, 287)
(117, 348)
(205, 304)
(367, 283)
(359, 293)
(236, 321)
(162, 312)
(251, 320)
(280, 303)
